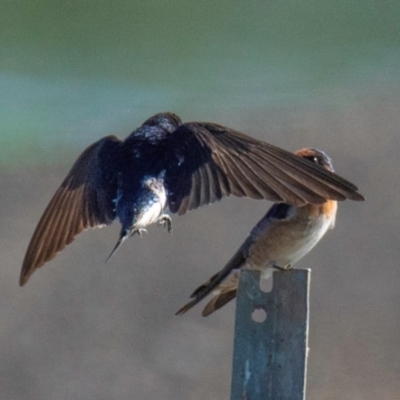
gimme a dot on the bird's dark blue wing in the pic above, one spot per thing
(192, 178)
(207, 162)
(84, 199)
(278, 211)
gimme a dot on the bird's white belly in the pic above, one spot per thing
(150, 216)
(288, 248)
(306, 243)
(154, 211)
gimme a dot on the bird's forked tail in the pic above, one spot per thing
(122, 236)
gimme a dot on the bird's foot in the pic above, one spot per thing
(139, 231)
(287, 268)
(166, 222)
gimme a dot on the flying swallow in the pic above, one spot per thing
(167, 164)
(281, 238)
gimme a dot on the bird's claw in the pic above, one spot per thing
(139, 231)
(166, 222)
(288, 268)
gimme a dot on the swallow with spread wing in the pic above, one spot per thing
(285, 234)
(167, 164)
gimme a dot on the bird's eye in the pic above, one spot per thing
(313, 159)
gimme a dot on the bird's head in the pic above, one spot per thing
(316, 156)
(167, 121)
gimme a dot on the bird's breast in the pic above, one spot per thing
(141, 199)
(152, 202)
(148, 215)
(284, 242)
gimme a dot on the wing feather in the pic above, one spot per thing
(84, 199)
(243, 166)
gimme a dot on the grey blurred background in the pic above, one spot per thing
(314, 73)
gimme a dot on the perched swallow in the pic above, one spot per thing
(280, 239)
(167, 164)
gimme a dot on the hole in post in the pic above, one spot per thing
(259, 315)
(266, 285)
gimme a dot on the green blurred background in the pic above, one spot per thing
(294, 73)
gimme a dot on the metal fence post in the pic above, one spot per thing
(270, 357)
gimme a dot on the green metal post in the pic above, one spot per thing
(270, 357)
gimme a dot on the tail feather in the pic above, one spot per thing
(218, 301)
(122, 236)
(204, 285)
(202, 291)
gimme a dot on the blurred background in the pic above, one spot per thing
(313, 73)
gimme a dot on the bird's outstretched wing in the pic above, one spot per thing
(210, 161)
(84, 199)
